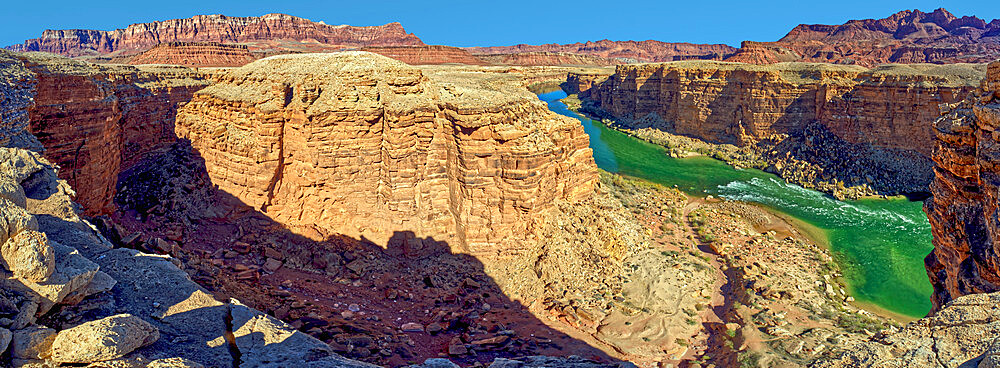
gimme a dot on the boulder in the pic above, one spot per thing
(29, 256)
(14, 219)
(34, 342)
(104, 339)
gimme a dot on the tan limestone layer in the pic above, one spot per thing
(363, 145)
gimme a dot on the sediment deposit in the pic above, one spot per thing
(362, 145)
(885, 112)
(426, 55)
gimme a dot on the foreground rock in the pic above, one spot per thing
(104, 339)
(961, 334)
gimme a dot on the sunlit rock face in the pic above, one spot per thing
(362, 145)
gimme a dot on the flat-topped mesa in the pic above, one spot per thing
(267, 29)
(194, 54)
(964, 207)
(95, 121)
(888, 107)
(366, 146)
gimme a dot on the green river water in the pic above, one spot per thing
(879, 243)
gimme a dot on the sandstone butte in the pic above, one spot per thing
(267, 32)
(890, 107)
(909, 36)
(362, 145)
(193, 54)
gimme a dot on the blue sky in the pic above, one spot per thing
(479, 23)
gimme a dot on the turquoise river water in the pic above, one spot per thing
(879, 243)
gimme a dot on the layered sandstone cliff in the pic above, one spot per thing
(647, 51)
(540, 58)
(95, 121)
(267, 31)
(963, 209)
(909, 36)
(426, 55)
(362, 145)
(889, 108)
(194, 54)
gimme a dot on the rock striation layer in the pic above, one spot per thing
(426, 55)
(362, 145)
(267, 30)
(963, 209)
(909, 36)
(542, 58)
(889, 108)
(194, 54)
(645, 51)
(95, 121)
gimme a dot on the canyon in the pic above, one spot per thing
(793, 112)
(271, 191)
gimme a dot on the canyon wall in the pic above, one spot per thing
(646, 51)
(363, 145)
(265, 31)
(192, 54)
(858, 127)
(540, 58)
(426, 55)
(95, 121)
(15, 97)
(963, 209)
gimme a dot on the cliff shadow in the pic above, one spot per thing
(392, 304)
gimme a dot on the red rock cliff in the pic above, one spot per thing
(362, 145)
(194, 54)
(95, 121)
(426, 55)
(963, 209)
(635, 50)
(269, 29)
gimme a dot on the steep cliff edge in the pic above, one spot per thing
(963, 209)
(885, 112)
(362, 145)
(647, 51)
(266, 31)
(426, 55)
(95, 121)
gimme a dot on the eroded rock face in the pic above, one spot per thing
(95, 121)
(536, 58)
(362, 145)
(269, 28)
(963, 209)
(194, 54)
(887, 108)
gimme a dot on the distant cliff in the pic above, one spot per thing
(267, 31)
(647, 51)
